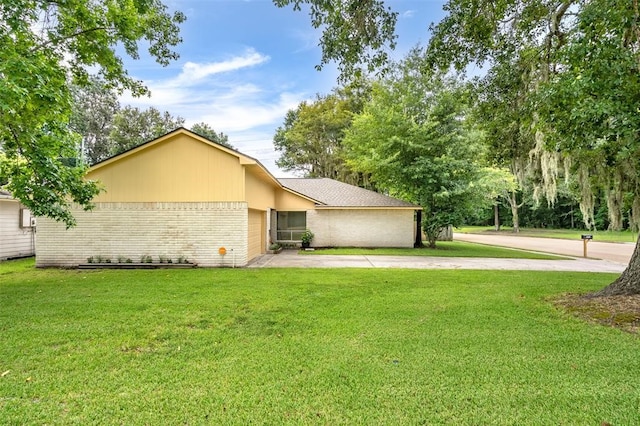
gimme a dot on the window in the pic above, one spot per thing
(291, 225)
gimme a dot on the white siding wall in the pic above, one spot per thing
(361, 228)
(14, 241)
(193, 230)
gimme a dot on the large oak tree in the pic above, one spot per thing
(46, 46)
(584, 80)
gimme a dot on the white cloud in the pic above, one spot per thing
(408, 14)
(233, 114)
(248, 107)
(193, 73)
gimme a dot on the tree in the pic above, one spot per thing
(355, 33)
(206, 131)
(133, 127)
(311, 138)
(310, 141)
(94, 108)
(501, 112)
(45, 47)
(413, 139)
(585, 80)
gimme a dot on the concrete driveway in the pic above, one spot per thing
(613, 252)
(291, 259)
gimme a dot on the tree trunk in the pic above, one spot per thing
(573, 225)
(614, 206)
(496, 217)
(629, 282)
(418, 242)
(514, 212)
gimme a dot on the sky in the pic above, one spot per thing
(244, 63)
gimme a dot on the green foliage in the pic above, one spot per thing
(94, 108)
(133, 127)
(413, 140)
(591, 105)
(106, 129)
(310, 141)
(205, 130)
(45, 46)
(307, 236)
(562, 80)
(582, 89)
(355, 33)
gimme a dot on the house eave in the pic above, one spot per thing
(242, 158)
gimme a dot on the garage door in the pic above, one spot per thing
(257, 224)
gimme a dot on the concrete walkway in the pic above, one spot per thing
(613, 252)
(291, 259)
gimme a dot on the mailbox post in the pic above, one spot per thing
(585, 239)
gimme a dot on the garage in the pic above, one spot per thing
(256, 233)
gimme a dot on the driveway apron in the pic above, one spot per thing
(292, 259)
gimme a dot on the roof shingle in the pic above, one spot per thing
(333, 193)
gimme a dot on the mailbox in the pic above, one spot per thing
(585, 239)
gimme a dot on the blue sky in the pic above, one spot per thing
(244, 63)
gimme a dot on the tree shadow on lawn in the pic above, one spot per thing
(621, 312)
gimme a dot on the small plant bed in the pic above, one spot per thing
(146, 262)
(136, 265)
(275, 248)
(622, 312)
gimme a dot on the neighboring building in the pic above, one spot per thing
(182, 195)
(17, 229)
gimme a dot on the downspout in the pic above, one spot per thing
(418, 242)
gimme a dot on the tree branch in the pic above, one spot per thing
(555, 33)
(74, 35)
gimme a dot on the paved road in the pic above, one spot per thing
(613, 252)
(291, 259)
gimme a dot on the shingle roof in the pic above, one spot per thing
(333, 193)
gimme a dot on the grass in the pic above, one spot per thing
(568, 234)
(443, 249)
(270, 346)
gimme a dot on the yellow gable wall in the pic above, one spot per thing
(288, 201)
(179, 169)
(261, 194)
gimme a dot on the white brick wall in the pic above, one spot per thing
(193, 230)
(362, 228)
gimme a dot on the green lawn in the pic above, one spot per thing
(343, 346)
(569, 234)
(443, 249)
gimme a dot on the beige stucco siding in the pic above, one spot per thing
(361, 228)
(176, 169)
(14, 241)
(131, 230)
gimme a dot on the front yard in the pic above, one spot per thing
(273, 346)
